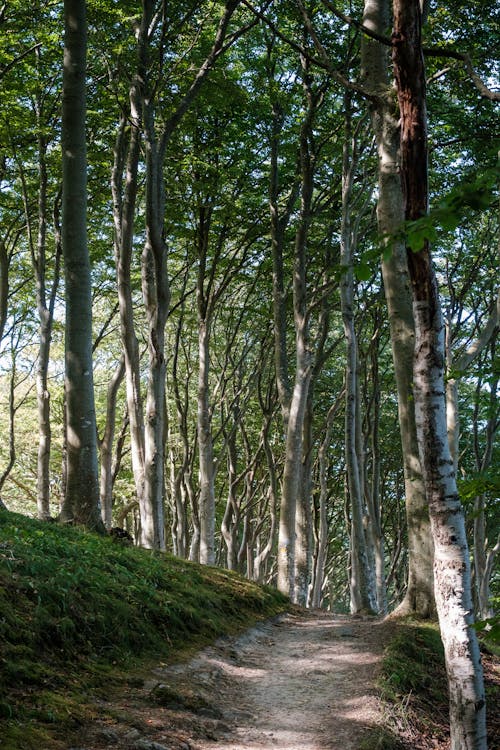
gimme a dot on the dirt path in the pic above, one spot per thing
(302, 682)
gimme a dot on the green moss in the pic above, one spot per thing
(413, 682)
(76, 606)
(28, 736)
(412, 660)
(379, 738)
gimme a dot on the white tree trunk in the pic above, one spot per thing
(362, 599)
(206, 454)
(451, 554)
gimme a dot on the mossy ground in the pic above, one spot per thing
(413, 685)
(79, 612)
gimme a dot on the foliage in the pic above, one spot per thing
(217, 166)
(489, 629)
(474, 193)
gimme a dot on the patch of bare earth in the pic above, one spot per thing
(305, 681)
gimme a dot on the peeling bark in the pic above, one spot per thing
(451, 560)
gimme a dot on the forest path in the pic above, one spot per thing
(305, 681)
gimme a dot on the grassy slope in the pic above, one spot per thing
(413, 685)
(77, 610)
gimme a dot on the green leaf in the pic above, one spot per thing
(362, 271)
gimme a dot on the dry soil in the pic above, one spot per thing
(305, 681)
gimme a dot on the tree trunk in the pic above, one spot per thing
(451, 562)
(106, 446)
(419, 597)
(156, 296)
(206, 454)
(484, 553)
(295, 528)
(372, 480)
(321, 555)
(45, 307)
(81, 502)
(303, 521)
(124, 201)
(360, 588)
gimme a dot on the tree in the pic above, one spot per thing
(81, 502)
(361, 583)
(451, 561)
(419, 596)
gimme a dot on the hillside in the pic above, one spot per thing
(77, 610)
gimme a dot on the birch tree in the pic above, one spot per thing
(451, 561)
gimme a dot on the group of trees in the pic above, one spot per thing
(238, 196)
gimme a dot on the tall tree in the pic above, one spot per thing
(419, 597)
(81, 502)
(361, 583)
(451, 561)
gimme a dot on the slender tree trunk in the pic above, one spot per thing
(124, 202)
(81, 502)
(263, 555)
(206, 454)
(372, 482)
(106, 446)
(293, 572)
(12, 432)
(45, 306)
(278, 224)
(46, 320)
(321, 555)
(303, 522)
(484, 552)
(360, 588)
(230, 521)
(4, 284)
(419, 597)
(183, 480)
(451, 562)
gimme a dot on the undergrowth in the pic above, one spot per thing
(76, 608)
(413, 685)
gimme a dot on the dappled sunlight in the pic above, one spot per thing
(307, 687)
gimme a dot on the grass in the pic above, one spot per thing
(78, 609)
(413, 685)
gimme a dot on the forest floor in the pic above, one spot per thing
(303, 681)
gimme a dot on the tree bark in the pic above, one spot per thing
(321, 554)
(360, 587)
(106, 446)
(451, 562)
(124, 202)
(81, 502)
(206, 453)
(45, 301)
(419, 597)
(293, 573)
